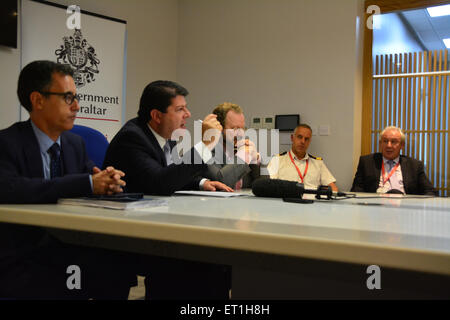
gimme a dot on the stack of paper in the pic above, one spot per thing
(138, 204)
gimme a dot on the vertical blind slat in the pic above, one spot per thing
(419, 105)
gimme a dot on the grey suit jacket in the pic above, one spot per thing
(229, 174)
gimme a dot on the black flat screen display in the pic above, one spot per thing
(8, 23)
(287, 122)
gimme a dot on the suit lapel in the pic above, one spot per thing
(32, 152)
(377, 167)
(68, 155)
(404, 167)
(154, 142)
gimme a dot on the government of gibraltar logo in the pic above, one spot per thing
(81, 57)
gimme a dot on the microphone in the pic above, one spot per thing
(276, 188)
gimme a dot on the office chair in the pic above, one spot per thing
(96, 143)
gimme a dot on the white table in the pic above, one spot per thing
(277, 249)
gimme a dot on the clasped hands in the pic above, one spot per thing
(247, 152)
(108, 181)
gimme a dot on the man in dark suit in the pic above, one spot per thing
(144, 150)
(39, 163)
(390, 172)
(236, 160)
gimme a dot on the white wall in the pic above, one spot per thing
(269, 56)
(278, 57)
(152, 48)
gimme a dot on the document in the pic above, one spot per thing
(118, 205)
(220, 194)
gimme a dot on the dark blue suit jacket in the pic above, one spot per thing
(136, 151)
(21, 169)
(22, 181)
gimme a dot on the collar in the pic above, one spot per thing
(161, 140)
(306, 157)
(44, 140)
(396, 160)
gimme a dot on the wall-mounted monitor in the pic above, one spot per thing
(287, 122)
(8, 23)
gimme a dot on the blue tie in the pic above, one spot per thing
(391, 164)
(55, 161)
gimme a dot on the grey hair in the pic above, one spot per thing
(402, 135)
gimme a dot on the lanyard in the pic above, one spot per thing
(298, 170)
(390, 173)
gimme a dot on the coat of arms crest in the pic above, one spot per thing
(81, 56)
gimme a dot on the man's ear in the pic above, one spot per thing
(36, 100)
(156, 116)
(292, 137)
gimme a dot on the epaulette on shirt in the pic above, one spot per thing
(282, 154)
(317, 158)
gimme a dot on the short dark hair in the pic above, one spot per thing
(158, 95)
(37, 76)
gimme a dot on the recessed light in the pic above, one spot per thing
(447, 42)
(439, 11)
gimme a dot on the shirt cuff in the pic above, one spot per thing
(202, 182)
(203, 151)
(92, 184)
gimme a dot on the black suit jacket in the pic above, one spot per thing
(22, 181)
(136, 151)
(415, 181)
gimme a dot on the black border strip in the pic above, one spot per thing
(82, 11)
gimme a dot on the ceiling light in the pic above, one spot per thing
(447, 42)
(439, 11)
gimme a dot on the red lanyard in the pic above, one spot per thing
(298, 170)
(390, 173)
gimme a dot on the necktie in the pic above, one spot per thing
(393, 180)
(55, 161)
(168, 153)
(391, 164)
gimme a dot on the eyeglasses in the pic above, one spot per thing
(68, 97)
(393, 142)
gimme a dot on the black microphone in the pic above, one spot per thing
(276, 188)
(322, 191)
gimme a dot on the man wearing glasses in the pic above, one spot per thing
(390, 172)
(41, 162)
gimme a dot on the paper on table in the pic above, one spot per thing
(220, 194)
(90, 202)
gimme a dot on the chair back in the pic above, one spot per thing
(95, 141)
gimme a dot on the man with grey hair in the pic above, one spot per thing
(390, 172)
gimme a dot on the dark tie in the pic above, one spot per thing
(55, 161)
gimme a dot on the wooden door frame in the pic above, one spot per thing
(386, 6)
